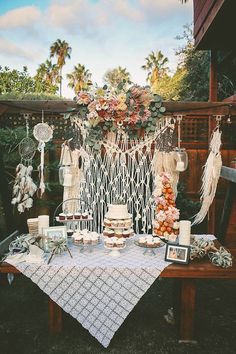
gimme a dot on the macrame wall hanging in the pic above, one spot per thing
(42, 133)
(24, 188)
(121, 171)
(126, 142)
(211, 174)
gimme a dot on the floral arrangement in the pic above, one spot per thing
(107, 110)
(165, 223)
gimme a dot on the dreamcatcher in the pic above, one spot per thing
(24, 188)
(211, 174)
(42, 133)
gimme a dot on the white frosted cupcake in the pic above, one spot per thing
(172, 237)
(156, 241)
(94, 239)
(126, 233)
(127, 223)
(142, 240)
(77, 238)
(62, 216)
(118, 233)
(87, 239)
(120, 243)
(150, 244)
(69, 216)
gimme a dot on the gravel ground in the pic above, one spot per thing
(23, 323)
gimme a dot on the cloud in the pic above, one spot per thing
(20, 17)
(10, 49)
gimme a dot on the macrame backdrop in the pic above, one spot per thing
(123, 171)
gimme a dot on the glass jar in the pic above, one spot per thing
(181, 159)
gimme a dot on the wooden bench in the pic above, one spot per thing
(186, 276)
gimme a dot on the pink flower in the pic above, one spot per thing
(83, 98)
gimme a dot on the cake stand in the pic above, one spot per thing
(115, 251)
(149, 251)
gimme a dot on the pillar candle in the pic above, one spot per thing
(184, 232)
(43, 222)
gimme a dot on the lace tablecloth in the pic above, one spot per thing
(96, 289)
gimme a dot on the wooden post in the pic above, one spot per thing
(188, 295)
(55, 317)
(213, 84)
(213, 95)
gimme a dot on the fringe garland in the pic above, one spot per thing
(210, 177)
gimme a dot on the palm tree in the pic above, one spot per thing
(79, 78)
(62, 51)
(47, 77)
(155, 66)
(116, 76)
(48, 72)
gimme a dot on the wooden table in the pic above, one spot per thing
(186, 276)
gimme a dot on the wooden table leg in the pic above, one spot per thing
(188, 297)
(55, 317)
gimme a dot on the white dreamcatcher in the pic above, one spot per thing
(24, 188)
(42, 133)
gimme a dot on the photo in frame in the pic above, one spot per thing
(177, 253)
(55, 232)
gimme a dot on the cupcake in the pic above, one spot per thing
(156, 241)
(150, 243)
(107, 222)
(94, 239)
(110, 233)
(69, 232)
(62, 216)
(109, 243)
(115, 223)
(142, 240)
(85, 215)
(106, 232)
(78, 216)
(87, 239)
(121, 223)
(126, 233)
(127, 223)
(120, 243)
(118, 233)
(78, 239)
(114, 241)
(69, 216)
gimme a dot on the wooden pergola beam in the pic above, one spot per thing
(62, 106)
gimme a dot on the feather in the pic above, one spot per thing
(210, 177)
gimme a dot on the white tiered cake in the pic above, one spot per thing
(118, 222)
(117, 212)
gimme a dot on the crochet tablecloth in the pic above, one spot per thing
(96, 289)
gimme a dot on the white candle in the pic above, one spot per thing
(184, 232)
(180, 166)
(43, 222)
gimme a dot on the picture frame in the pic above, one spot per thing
(54, 232)
(177, 253)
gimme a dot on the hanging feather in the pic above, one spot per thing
(211, 175)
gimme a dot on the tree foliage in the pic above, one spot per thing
(117, 76)
(79, 78)
(62, 51)
(19, 84)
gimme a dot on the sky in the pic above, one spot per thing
(103, 34)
